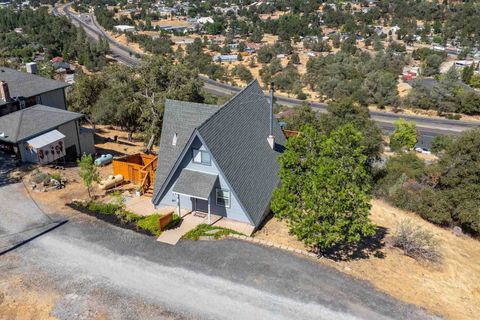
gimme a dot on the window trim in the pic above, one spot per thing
(229, 198)
(209, 163)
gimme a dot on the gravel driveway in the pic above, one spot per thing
(98, 268)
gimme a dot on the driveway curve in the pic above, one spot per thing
(95, 267)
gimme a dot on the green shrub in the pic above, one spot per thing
(441, 143)
(397, 171)
(104, 208)
(41, 177)
(204, 230)
(404, 136)
(175, 222)
(454, 116)
(302, 95)
(445, 192)
(469, 216)
(416, 242)
(433, 206)
(56, 176)
(127, 216)
(150, 223)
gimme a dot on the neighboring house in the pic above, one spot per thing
(61, 67)
(124, 28)
(225, 58)
(42, 134)
(23, 90)
(34, 121)
(220, 160)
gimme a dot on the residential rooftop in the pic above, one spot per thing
(23, 84)
(29, 122)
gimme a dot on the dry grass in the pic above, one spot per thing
(74, 188)
(451, 289)
(19, 301)
(104, 143)
(171, 22)
(121, 38)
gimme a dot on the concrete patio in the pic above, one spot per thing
(143, 206)
(190, 220)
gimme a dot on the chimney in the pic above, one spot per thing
(4, 92)
(271, 137)
(32, 68)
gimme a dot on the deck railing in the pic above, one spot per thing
(148, 175)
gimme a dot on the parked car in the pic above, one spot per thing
(422, 150)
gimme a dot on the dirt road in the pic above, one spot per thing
(87, 269)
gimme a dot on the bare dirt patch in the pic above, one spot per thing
(451, 289)
(105, 141)
(18, 300)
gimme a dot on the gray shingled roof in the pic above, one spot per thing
(27, 123)
(181, 118)
(195, 184)
(237, 138)
(26, 84)
(236, 135)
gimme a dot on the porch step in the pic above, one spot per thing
(148, 192)
(200, 214)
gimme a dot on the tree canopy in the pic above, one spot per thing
(133, 98)
(325, 184)
(404, 136)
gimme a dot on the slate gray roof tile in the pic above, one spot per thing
(236, 134)
(27, 85)
(237, 137)
(29, 122)
(179, 118)
(194, 183)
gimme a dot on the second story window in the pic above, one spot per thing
(200, 156)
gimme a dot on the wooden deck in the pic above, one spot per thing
(137, 168)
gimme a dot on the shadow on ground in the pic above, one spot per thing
(8, 163)
(364, 249)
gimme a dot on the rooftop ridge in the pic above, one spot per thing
(20, 118)
(226, 104)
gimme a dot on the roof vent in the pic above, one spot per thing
(271, 137)
(174, 141)
(32, 67)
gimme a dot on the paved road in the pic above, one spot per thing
(94, 267)
(428, 127)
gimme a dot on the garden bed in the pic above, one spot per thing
(206, 230)
(116, 214)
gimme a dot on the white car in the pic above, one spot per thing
(422, 150)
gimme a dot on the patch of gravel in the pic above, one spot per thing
(98, 270)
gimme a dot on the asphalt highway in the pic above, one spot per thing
(428, 127)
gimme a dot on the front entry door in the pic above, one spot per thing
(201, 205)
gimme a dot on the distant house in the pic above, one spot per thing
(22, 90)
(42, 134)
(204, 20)
(61, 67)
(225, 58)
(220, 160)
(56, 59)
(34, 121)
(176, 29)
(124, 28)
